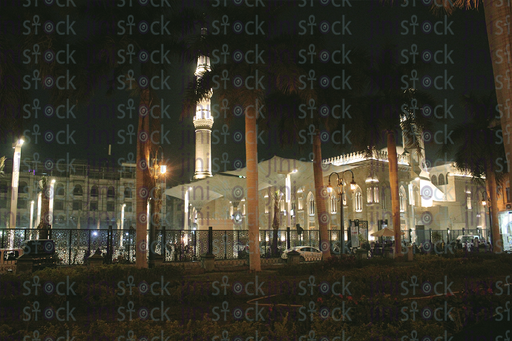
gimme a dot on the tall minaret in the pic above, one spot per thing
(203, 122)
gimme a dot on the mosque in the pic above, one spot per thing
(434, 198)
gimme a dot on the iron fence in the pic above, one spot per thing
(74, 246)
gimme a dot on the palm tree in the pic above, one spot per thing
(44, 224)
(248, 85)
(104, 66)
(390, 110)
(497, 17)
(291, 122)
(479, 147)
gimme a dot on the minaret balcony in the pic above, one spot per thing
(203, 123)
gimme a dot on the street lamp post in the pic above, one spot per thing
(52, 193)
(340, 186)
(484, 203)
(156, 171)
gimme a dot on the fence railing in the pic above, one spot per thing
(74, 246)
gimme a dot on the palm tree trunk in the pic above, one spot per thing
(497, 15)
(275, 225)
(43, 227)
(393, 183)
(141, 201)
(251, 155)
(321, 212)
(497, 242)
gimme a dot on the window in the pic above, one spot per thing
(77, 190)
(358, 201)
(300, 203)
(128, 207)
(127, 192)
(402, 199)
(311, 205)
(58, 205)
(60, 189)
(93, 206)
(3, 187)
(334, 204)
(94, 191)
(110, 206)
(110, 192)
(468, 200)
(267, 203)
(384, 198)
(441, 180)
(23, 187)
(372, 195)
(434, 180)
(22, 204)
(77, 205)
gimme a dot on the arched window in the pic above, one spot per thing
(23, 187)
(311, 204)
(60, 189)
(111, 192)
(403, 199)
(385, 198)
(334, 204)
(77, 190)
(94, 191)
(358, 198)
(372, 194)
(441, 180)
(446, 179)
(300, 199)
(3, 186)
(434, 180)
(468, 200)
(127, 192)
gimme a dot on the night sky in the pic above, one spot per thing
(85, 132)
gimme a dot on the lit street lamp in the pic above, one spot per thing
(340, 193)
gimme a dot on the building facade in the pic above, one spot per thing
(86, 196)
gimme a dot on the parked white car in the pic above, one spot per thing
(307, 253)
(467, 240)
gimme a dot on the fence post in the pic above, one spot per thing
(69, 247)
(110, 253)
(89, 251)
(226, 244)
(288, 234)
(210, 240)
(164, 243)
